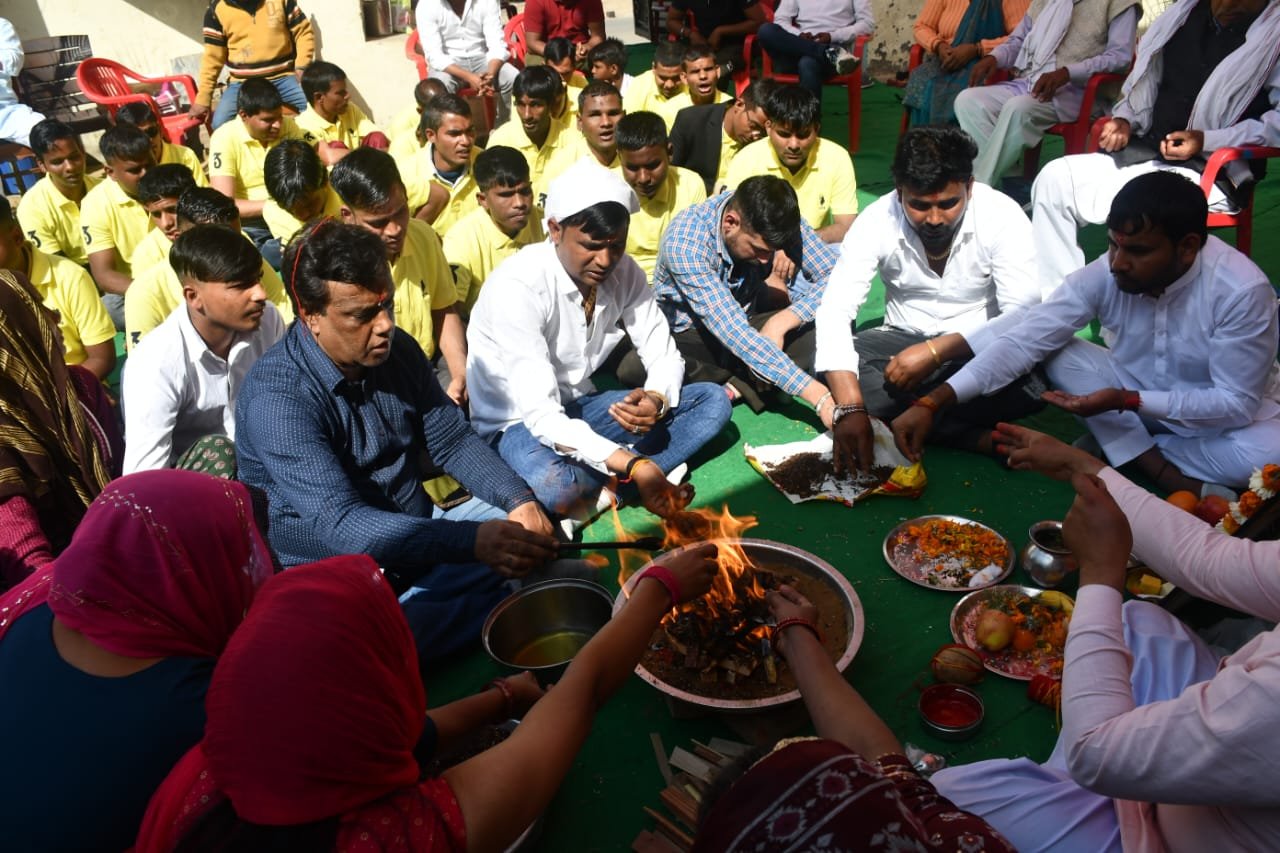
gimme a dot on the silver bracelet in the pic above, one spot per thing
(851, 409)
(821, 402)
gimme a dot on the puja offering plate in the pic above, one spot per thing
(948, 552)
(720, 656)
(1038, 632)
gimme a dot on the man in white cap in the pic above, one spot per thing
(548, 318)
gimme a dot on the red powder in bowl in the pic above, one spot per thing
(948, 705)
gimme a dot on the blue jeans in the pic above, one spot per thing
(794, 55)
(287, 85)
(560, 482)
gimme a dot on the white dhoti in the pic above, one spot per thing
(1077, 190)
(1005, 120)
(1037, 806)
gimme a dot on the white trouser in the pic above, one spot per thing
(1227, 457)
(1004, 119)
(479, 65)
(1077, 190)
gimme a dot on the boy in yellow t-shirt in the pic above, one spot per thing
(547, 145)
(701, 74)
(819, 170)
(404, 127)
(657, 89)
(140, 116)
(438, 177)
(49, 212)
(158, 193)
(300, 191)
(331, 122)
(506, 221)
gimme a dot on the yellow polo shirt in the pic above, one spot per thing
(643, 94)
(572, 90)
(283, 225)
(474, 246)
(419, 173)
(681, 189)
(51, 221)
(351, 127)
(684, 99)
(825, 186)
(109, 219)
(424, 284)
(729, 148)
(233, 153)
(182, 154)
(154, 249)
(404, 133)
(65, 287)
(558, 153)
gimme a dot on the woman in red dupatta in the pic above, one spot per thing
(106, 653)
(317, 703)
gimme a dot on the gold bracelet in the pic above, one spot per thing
(936, 358)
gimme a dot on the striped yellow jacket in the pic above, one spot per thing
(253, 38)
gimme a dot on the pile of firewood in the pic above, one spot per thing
(687, 775)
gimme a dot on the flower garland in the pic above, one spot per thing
(1264, 483)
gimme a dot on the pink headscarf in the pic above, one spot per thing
(163, 564)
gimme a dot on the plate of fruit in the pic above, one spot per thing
(1018, 631)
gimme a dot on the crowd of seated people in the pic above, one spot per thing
(401, 369)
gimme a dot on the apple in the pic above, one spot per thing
(1212, 508)
(995, 630)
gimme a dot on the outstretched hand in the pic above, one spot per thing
(1029, 450)
(1098, 533)
(1087, 405)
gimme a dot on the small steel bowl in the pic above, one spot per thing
(950, 711)
(541, 627)
(1047, 565)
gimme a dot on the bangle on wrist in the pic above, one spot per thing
(937, 359)
(664, 405)
(508, 698)
(822, 401)
(926, 403)
(839, 412)
(1131, 402)
(628, 473)
(663, 576)
(797, 620)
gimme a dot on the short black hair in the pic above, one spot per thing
(758, 92)
(6, 211)
(1161, 199)
(441, 106)
(365, 178)
(538, 82)
(640, 130)
(292, 170)
(124, 142)
(215, 253)
(49, 131)
(136, 113)
(428, 89)
(600, 220)
(318, 77)
(327, 251)
(500, 166)
(794, 107)
(257, 96)
(557, 49)
(768, 206)
(611, 51)
(597, 89)
(168, 180)
(694, 52)
(204, 205)
(930, 157)
(670, 54)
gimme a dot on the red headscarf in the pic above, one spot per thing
(164, 564)
(313, 712)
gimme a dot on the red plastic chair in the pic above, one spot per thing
(1242, 220)
(1075, 134)
(517, 45)
(106, 83)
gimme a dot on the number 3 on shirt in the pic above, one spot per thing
(87, 238)
(35, 239)
(217, 159)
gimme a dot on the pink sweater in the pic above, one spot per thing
(1197, 772)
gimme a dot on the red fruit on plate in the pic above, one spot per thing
(956, 664)
(1212, 508)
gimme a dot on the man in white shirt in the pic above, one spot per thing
(1188, 388)
(813, 39)
(182, 379)
(547, 319)
(462, 41)
(952, 254)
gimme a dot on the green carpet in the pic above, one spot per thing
(600, 804)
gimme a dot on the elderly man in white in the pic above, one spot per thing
(547, 319)
(463, 44)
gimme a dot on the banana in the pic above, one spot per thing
(1057, 600)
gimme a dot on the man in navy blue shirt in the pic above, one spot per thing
(343, 420)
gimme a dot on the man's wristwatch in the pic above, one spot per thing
(849, 409)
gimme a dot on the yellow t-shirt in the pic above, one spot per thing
(283, 225)
(582, 148)
(474, 246)
(404, 133)
(182, 154)
(51, 221)
(154, 249)
(729, 149)
(419, 172)
(684, 99)
(643, 94)
(557, 153)
(65, 287)
(571, 92)
(155, 292)
(351, 127)
(681, 189)
(109, 219)
(233, 153)
(423, 283)
(825, 186)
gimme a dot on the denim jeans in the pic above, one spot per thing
(287, 85)
(560, 482)
(794, 55)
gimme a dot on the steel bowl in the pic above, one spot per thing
(541, 627)
(793, 559)
(1047, 564)
(950, 711)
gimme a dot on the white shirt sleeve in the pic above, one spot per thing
(864, 24)
(785, 11)
(151, 400)
(495, 45)
(1007, 52)
(847, 289)
(431, 36)
(1264, 130)
(647, 327)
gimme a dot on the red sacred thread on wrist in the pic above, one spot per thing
(926, 402)
(663, 576)
(508, 698)
(1132, 401)
(797, 620)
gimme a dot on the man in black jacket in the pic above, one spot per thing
(704, 138)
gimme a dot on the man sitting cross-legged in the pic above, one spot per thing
(547, 319)
(705, 139)
(1188, 389)
(739, 278)
(952, 254)
(179, 392)
(338, 424)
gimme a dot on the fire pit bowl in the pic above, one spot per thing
(777, 557)
(541, 627)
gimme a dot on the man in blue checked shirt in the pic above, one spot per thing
(739, 278)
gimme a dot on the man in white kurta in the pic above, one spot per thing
(546, 320)
(464, 47)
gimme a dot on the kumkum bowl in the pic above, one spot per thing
(542, 626)
(951, 711)
(775, 555)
